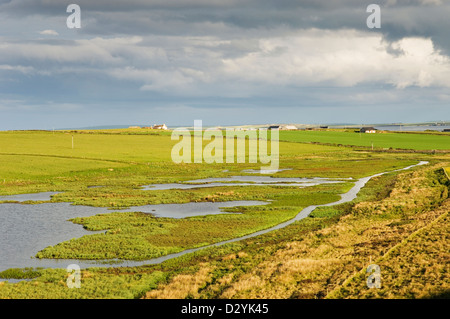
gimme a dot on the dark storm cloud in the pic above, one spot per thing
(241, 23)
(400, 18)
(429, 22)
(410, 14)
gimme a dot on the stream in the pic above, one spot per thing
(346, 197)
(26, 229)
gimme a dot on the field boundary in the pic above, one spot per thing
(389, 252)
(437, 133)
(411, 237)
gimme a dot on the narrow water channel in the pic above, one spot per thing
(346, 197)
(26, 229)
(244, 181)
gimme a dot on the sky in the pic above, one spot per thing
(225, 62)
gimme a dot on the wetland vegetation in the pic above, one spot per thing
(398, 221)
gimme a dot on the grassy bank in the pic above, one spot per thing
(140, 236)
(317, 256)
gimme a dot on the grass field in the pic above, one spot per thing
(318, 257)
(139, 236)
(378, 140)
(37, 161)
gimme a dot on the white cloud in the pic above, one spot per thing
(18, 68)
(48, 32)
(342, 58)
(203, 66)
(91, 51)
(432, 2)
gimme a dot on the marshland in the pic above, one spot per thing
(398, 220)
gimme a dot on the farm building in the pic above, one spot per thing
(283, 127)
(368, 130)
(288, 127)
(159, 127)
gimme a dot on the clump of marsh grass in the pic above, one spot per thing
(20, 273)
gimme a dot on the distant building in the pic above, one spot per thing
(283, 127)
(368, 130)
(159, 127)
(288, 127)
(446, 130)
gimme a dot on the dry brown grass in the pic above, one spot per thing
(183, 285)
(319, 263)
(418, 267)
(326, 258)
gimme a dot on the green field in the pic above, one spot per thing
(323, 245)
(379, 140)
(45, 161)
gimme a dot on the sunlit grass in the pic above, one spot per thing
(311, 258)
(377, 140)
(140, 236)
(304, 260)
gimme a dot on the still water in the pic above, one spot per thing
(243, 181)
(413, 128)
(26, 229)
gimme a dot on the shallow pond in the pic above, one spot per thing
(26, 229)
(346, 197)
(243, 181)
(29, 197)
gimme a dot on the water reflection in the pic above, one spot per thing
(243, 181)
(27, 229)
